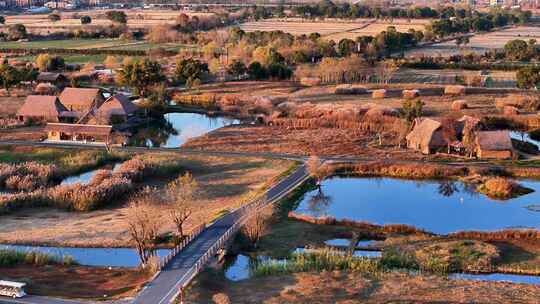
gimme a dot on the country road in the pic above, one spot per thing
(179, 271)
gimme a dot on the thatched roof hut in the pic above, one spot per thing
(494, 144)
(81, 99)
(41, 107)
(426, 136)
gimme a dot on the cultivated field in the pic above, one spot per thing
(479, 43)
(137, 19)
(335, 30)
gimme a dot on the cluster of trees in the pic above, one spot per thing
(14, 32)
(477, 22)
(327, 8)
(48, 63)
(117, 16)
(10, 76)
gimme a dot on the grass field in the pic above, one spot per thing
(479, 43)
(335, 30)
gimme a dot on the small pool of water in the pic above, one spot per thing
(114, 257)
(176, 128)
(86, 177)
(238, 268)
(338, 242)
(526, 137)
(498, 277)
(437, 206)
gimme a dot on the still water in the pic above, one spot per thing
(176, 128)
(440, 207)
(86, 177)
(114, 257)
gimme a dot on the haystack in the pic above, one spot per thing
(310, 81)
(410, 94)
(509, 110)
(459, 105)
(514, 100)
(454, 90)
(379, 93)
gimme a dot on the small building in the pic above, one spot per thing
(426, 136)
(56, 79)
(81, 99)
(78, 132)
(494, 144)
(116, 109)
(41, 108)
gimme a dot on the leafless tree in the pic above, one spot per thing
(257, 226)
(385, 70)
(180, 196)
(143, 225)
(317, 168)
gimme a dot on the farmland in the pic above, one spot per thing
(479, 43)
(333, 30)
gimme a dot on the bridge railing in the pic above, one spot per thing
(194, 233)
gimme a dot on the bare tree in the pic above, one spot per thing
(143, 225)
(180, 194)
(257, 226)
(317, 169)
(385, 70)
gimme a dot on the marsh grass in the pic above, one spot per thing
(10, 257)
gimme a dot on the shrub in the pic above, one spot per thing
(502, 188)
(11, 257)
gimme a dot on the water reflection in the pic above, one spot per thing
(434, 206)
(114, 257)
(176, 128)
(498, 277)
(319, 203)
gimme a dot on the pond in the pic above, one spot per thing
(526, 137)
(84, 178)
(498, 277)
(176, 128)
(440, 207)
(114, 257)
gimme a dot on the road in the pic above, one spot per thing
(178, 271)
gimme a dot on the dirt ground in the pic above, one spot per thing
(226, 184)
(339, 287)
(76, 281)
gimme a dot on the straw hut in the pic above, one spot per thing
(41, 108)
(81, 99)
(426, 136)
(116, 109)
(494, 144)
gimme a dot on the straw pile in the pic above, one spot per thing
(410, 94)
(310, 81)
(379, 93)
(454, 90)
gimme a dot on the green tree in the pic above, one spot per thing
(16, 32)
(86, 19)
(2, 20)
(517, 50)
(528, 77)
(411, 109)
(237, 69)
(140, 75)
(279, 71)
(47, 63)
(189, 70)
(9, 76)
(117, 16)
(54, 17)
(256, 71)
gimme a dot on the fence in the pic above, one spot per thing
(195, 233)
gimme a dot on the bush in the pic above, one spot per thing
(502, 188)
(11, 257)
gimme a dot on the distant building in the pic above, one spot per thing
(56, 79)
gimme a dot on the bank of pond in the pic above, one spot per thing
(440, 207)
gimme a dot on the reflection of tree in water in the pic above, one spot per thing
(319, 203)
(447, 188)
(157, 133)
(470, 189)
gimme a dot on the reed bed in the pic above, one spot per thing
(11, 257)
(425, 171)
(506, 234)
(26, 176)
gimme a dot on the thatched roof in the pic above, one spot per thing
(41, 105)
(118, 104)
(79, 128)
(50, 77)
(423, 131)
(79, 96)
(494, 140)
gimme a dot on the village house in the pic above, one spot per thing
(115, 110)
(81, 99)
(426, 136)
(494, 144)
(40, 108)
(56, 79)
(79, 132)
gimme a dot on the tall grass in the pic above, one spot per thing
(11, 257)
(319, 260)
(412, 170)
